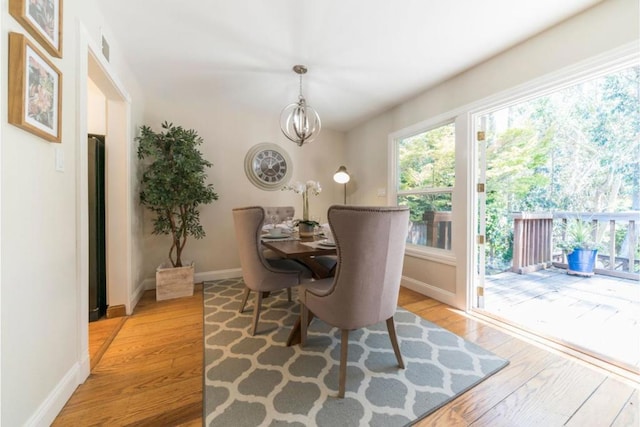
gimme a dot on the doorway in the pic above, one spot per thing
(97, 227)
(543, 162)
(104, 111)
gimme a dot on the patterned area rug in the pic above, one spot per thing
(259, 381)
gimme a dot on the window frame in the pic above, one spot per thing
(445, 256)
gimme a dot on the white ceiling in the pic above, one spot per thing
(364, 56)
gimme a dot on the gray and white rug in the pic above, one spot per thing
(259, 381)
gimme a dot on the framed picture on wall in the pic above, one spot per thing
(34, 90)
(43, 20)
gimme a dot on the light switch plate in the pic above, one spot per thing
(382, 192)
(59, 159)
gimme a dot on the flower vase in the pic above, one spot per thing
(305, 230)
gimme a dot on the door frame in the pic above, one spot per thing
(608, 62)
(92, 64)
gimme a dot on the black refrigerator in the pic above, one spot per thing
(97, 235)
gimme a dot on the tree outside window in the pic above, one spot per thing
(426, 176)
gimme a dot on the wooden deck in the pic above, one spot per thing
(598, 315)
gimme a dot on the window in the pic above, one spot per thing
(425, 165)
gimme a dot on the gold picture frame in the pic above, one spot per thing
(43, 20)
(35, 90)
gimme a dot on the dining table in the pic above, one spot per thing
(303, 249)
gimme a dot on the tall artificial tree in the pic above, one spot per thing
(174, 183)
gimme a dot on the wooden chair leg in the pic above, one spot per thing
(289, 294)
(245, 297)
(256, 312)
(391, 327)
(304, 322)
(344, 352)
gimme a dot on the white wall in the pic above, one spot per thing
(608, 25)
(96, 110)
(228, 135)
(43, 357)
(38, 254)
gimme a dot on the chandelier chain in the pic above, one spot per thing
(300, 85)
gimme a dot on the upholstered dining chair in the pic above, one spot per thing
(260, 274)
(280, 214)
(370, 245)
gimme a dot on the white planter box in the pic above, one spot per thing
(174, 282)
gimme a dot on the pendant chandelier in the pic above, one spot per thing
(299, 122)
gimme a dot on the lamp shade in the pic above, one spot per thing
(341, 176)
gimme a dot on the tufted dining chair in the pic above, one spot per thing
(370, 245)
(280, 212)
(262, 275)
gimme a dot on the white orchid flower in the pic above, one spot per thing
(300, 188)
(314, 186)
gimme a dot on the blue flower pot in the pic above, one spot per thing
(581, 262)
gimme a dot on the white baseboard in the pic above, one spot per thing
(431, 291)
(84, 369)
(409, 283)
(148, 284)
(55, 401)
(138, 292)
(231, 273)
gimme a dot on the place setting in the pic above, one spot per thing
(325, 238)
(275, 231)
(326, 243)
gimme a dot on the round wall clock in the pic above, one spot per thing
(268, 166)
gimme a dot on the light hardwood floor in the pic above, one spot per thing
(151, 375)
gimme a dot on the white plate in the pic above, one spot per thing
(327, 244)
(270, 237)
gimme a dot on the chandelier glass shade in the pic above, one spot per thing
(299, 122)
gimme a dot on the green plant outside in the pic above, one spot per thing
(173, 184)
(579, 235)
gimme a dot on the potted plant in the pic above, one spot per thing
(173, 187)
(580, 245)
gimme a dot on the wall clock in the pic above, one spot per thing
(268, 166)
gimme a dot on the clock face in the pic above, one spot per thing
(268, 166)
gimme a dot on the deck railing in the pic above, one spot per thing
(533, 241)
(434, 231)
